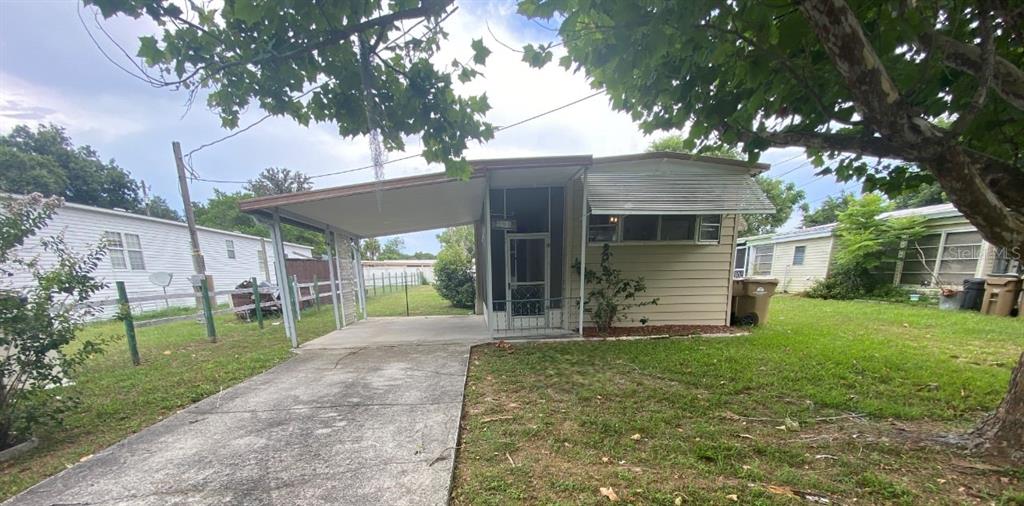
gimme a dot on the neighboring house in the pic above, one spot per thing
(951, 247)
(392, 271)
(139, 246)
(669, 217)
(797, 259)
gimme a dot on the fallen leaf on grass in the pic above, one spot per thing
(636, 437)
(85, 458)
(745, 436)
(776, 489)
(733, 497)
(678, 501)
(167, 352)
(609, 492)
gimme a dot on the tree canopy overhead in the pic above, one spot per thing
(364, 65)
(881, 90)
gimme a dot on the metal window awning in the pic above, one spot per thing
(675, 191)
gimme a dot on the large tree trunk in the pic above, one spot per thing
(1001, 434)
(986, 190)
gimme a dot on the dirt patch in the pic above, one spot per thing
(662, 330)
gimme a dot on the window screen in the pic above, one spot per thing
(710, 227)
(678, 227)
(798, 255)
(640, 228)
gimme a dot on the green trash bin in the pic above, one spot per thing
(750, 300)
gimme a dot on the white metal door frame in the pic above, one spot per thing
(511, 236)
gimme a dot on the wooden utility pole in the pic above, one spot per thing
(198, 264)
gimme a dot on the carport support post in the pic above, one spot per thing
(361, 279)
(281, 270)
(583, 248)
(332, 267)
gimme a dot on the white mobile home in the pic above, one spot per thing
(668, 217)
(139, 246)
(951, 247)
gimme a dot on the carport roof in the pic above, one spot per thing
(407, 204)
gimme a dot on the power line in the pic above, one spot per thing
(367, 167)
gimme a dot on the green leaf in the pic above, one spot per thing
(247, 10)
(480, 52)
(149, 50)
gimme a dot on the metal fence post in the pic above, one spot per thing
(258, 300)
(406, 283)
(316, 292)
(211, 331)
(373, 281)
(129, 323)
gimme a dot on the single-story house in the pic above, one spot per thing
(951, 246)
(668, 217)
(139, 246)
(392, 272)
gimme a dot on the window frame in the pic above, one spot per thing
(802, 250)
(120, 251)
(619, 224)
(229, 245)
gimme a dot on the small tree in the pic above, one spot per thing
(863, 243)
(610, 294)
(37, 323)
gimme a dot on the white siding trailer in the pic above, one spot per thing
(140, 246)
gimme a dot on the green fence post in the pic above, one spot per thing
(405, 283)
(316, 292)
(258, 300)
(211, 331)
(373, 281)
(129, 323)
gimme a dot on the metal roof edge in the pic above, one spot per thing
(759, 167)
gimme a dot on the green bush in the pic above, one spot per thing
(453, 279)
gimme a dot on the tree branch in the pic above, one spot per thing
(425, 9)
(1007, 79)
(988, 64)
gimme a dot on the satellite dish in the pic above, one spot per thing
(163, 280)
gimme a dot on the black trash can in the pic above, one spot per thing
(974, 293)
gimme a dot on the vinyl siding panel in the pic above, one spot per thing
(165, 248)
(691, 280)
(798, 278)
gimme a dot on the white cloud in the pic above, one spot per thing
(103, 117)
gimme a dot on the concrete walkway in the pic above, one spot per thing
(371, 417)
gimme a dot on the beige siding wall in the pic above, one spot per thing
(691, 281)
(798, 278)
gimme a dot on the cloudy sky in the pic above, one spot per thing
(50, 71)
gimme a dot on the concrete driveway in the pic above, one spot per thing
(369, 418)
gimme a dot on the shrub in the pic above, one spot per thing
(610, 295)
(38, 322)
(453, 279)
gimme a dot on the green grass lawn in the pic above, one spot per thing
(423, 301)
(701, 420)
(179, 367)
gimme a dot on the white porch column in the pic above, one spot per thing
(359, 277)
(337, 271)
(488, 271)
(583, 248)
(281, 271)
(331, 255)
